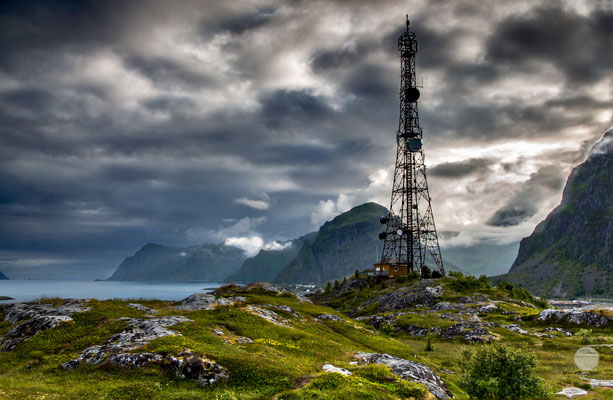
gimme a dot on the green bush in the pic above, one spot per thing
(429, 341)
(522, 294)
(467, 283)
(584, 335)
(499, 371)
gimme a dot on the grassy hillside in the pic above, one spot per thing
(282, 357)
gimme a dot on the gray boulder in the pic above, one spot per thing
(444, 306)
(328, 317)
(30, 328)
(141, 307)
(410, 370)
(579, 317)
(423, 293)
(566, 332)
(138, 333)
(191, 366)
(472, 331)
(203, 301)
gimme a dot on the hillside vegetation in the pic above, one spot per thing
(263, 342)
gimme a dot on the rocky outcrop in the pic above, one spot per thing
(328, 317)
(30, 328)
(268, 315)
(191, 366)
(579, 317)
(141, 307)
(409, 370)
(203, 301)
(445, 306)
(426, 292)
(565, 332)
(138, 333)
(473, 332)
(38, 317)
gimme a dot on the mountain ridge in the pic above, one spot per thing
(570, 252)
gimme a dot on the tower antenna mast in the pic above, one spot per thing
(410, 233)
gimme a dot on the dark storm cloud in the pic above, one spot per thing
(459, 169)
(525, 203)
(162, 71)
(128, 122)
(576, 44)
(283, 105)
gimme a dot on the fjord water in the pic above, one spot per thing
(26, 290)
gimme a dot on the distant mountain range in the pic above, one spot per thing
(570, 253)
(157, 263)
(2, 276)
(347, 243)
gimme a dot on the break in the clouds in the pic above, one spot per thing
(252, 122)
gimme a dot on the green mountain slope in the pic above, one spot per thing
(348, 242)
(570, 253)
(157, 263)
(268, 263)
(341, 246)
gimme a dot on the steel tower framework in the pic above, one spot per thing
(410, 231)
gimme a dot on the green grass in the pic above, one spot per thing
(283, 361)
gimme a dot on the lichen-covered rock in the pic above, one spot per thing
(515, 328)
(487, 308)
(39, 316)
(203, 301)
(579, 317)
(30, 328)
(445, 306)
(425, 293)
(410, 370)
(328, 317)
(194, 367)
(571, 392)
(566, 332)
(471, 331)
(21, 311)
(268, 315)
(138, 333)
(133, 360)
(287, 309)
(141, 307)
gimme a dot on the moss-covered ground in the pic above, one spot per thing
(283, 362)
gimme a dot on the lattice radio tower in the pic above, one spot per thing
(410, 231)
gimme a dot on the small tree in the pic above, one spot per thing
(499, 371)
(336, 284)
(429, 341)
(328, 287)
(426, 273)
(436, 274)
(357, 274)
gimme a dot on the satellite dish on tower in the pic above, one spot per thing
(412, 95)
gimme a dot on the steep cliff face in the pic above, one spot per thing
(2, 276)
(205, 263)
(570, 253)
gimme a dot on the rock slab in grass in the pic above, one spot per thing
(203, 301)
(332, 368)
(580, 317)
(141, 307)
(138, 333)
(600, 382)
(410, 370)
(39, 317)
(571, 392)
(193, 367)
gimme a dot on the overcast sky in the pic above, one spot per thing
(245, 122)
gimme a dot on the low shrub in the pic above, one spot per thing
(498, 371)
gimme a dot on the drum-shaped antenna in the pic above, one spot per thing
(384, 220)
(412, 95)
(414, 145)
(382, 235)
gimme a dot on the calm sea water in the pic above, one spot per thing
(25, 290)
